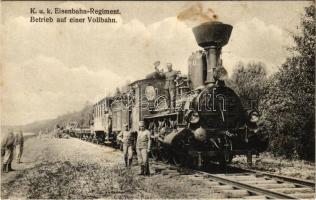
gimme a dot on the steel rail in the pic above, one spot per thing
(281, 178)
(250, 188)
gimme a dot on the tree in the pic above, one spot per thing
(249, 82)
(289, 106)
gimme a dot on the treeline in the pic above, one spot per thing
(82, 117)
(285, 99)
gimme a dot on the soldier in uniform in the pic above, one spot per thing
(126, 138)
(170, 85)
(40, 133)
(7, 146)
(142, 148)
(19, 142)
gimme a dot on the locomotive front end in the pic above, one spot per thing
(219, 125)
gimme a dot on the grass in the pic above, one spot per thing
(279, 165)
(75, 180)
(80, 180)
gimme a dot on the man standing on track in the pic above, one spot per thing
(19, 142)
(126, 138)
(7, 146)
(143, 147)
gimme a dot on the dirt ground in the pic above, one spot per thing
(70, 168)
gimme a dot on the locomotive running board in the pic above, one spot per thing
(159, 115)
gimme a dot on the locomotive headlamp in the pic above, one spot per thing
(194, 117)
(253, 116)
(200, 134)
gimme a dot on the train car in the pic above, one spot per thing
(70, 128)
(84, 133)
(102, 122)
(120, 116)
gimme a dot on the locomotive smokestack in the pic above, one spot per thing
(212, 36)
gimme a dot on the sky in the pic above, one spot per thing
(49, 69)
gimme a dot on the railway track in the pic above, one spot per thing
(258, 186)
(246, 183)
(251, 184)
(282, 178)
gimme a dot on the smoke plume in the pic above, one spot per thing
(197, 14)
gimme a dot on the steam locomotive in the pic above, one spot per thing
(209, 122)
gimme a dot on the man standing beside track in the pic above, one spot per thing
(19, 142)
(40, 133)
(7, 146)
(126, 138)
(143, 147)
